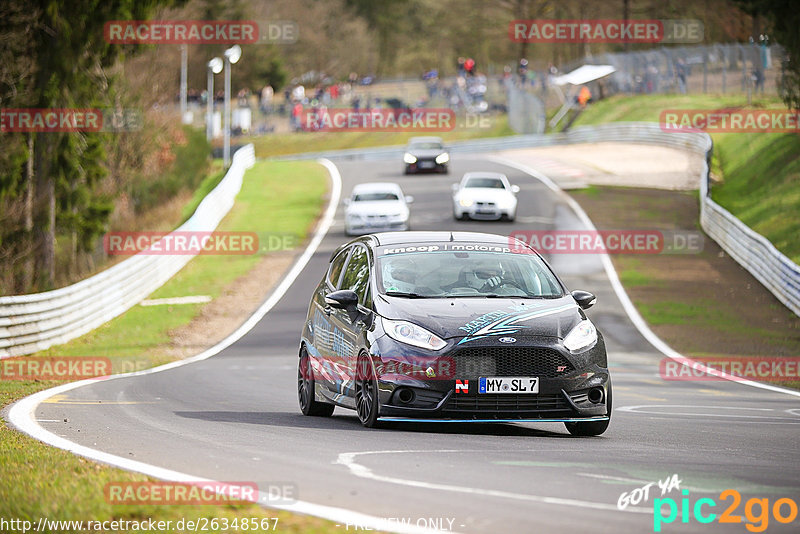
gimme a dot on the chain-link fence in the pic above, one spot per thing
(717, 68)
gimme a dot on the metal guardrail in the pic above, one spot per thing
(751, 250)
(29, 323)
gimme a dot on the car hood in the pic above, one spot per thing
(477, 318)
(425, 152)
(377, 207)
(484, 193)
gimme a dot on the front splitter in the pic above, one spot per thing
(425, 420)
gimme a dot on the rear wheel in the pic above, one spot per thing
(305, 390)
(366, 392)
(592, 428)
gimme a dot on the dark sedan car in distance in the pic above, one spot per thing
(451, 326)
(426, 154)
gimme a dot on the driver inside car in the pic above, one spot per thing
(485, 276)
(400, 275)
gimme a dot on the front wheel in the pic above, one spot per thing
(366, 392)
(305, 390)
(592, 428)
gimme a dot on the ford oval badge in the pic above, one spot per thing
(507, 340)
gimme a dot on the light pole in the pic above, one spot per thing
(214, 67)
(184, 63)
(232, 55)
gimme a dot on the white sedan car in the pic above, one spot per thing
(486, 196)
(376, 207)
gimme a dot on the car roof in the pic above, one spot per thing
(429, 237)
(484, 174)
(409, 238)
(377, 187)
(429, 139)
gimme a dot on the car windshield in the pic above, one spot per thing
(371, 197)
(491, 183)
(426, 146)
(447, 274)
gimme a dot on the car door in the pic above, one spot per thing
(348, 325)
(329, 375)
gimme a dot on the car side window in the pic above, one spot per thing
(356, 275)
(336, 267)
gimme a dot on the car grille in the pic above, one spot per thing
(504, 403)
(476, 362)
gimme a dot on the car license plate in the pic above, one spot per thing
(513, 384)
(425, 164)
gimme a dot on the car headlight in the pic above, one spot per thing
(442, 158)
(583, 335)
(411, 334)
(466, 202)
(408, 158)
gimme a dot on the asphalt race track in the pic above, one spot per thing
(234, 417)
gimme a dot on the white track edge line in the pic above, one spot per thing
(21, 414)
(630, 309)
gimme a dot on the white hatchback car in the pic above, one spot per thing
(486, 196)
(376, 207)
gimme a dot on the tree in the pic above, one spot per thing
(386, 18)
(70, 54)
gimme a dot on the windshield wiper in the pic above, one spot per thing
(406, 295)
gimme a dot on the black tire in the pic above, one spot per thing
(366, 392)
(592, 428)
(305, 390)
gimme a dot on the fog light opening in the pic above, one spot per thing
(405, 395)
(596, 395)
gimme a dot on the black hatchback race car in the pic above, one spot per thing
(451, 326)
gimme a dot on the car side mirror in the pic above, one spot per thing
(515, 189)
(409, 199)
(454, 187)
(346, 202)
(344, 299)
(584, 299)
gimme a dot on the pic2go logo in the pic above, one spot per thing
(756, 510)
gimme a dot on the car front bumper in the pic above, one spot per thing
(367, 227)
(426, 165)
(484, 212)
(564, 394)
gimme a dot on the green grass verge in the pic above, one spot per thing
(41, 481)
(296, 143)
(760, 172)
